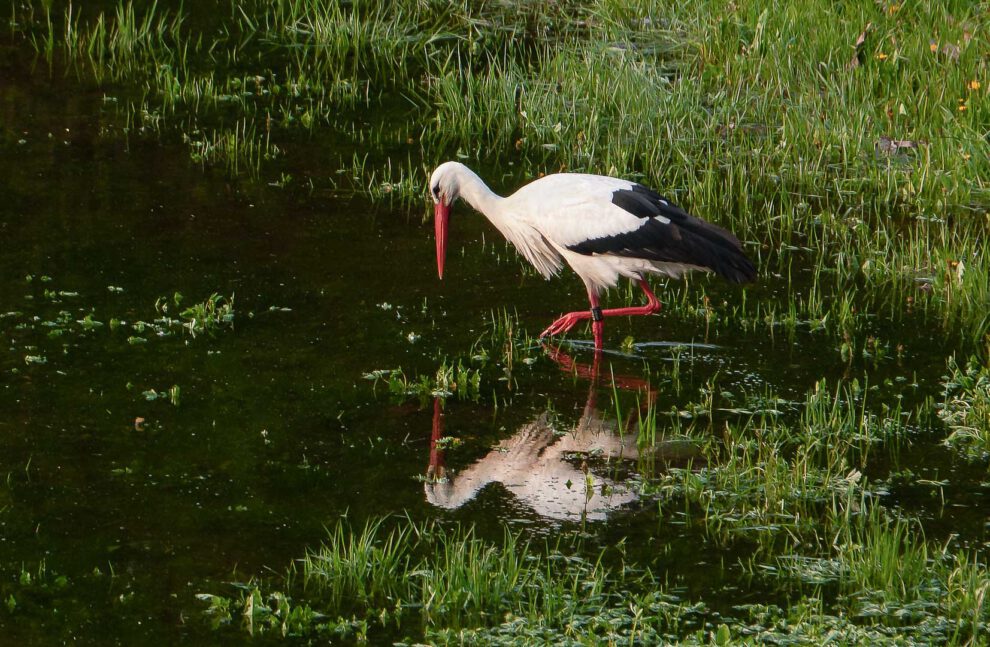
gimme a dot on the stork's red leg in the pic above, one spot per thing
(571, 319)
(652, 304)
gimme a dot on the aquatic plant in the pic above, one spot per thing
(450, 379)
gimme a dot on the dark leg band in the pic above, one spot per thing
(596, 314)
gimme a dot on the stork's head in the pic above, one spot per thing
(445, 189)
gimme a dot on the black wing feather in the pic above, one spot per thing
(685, 239)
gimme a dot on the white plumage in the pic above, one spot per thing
(604, 228)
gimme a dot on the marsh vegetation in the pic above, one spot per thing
(811, 453)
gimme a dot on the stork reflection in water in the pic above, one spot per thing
(554, 475)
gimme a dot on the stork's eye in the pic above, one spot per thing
(436, 191)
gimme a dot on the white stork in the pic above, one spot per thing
(603, 227)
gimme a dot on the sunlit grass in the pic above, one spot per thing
(448, 577)
(966, 407)
(447, 585)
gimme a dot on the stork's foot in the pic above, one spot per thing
(565, 323)
(570, 320)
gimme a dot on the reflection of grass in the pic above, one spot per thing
(773, 122)
(238, 149)
(402, 184)
(785, 484)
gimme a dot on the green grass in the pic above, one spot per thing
(448, 577)
(460, 379)
(113, 47)
(966, 407)
(424, 581)
(769, 476)
(53, 321)
(768, 118)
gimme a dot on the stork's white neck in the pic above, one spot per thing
(476, 193)
(509, 215)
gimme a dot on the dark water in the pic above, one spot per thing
(277, 433)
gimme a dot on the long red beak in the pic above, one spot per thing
(441, 213)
